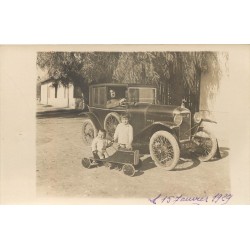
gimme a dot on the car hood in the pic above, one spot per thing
(158, 112)
(169, 110)
(156, 108)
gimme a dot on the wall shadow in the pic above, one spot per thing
(59, 114)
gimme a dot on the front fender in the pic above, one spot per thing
(152, 128)
(207, 120)
(93, 118)
(198, 126)
(169, 125)
(141, 140)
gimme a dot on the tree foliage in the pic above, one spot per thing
(136, 68)
(176, 74)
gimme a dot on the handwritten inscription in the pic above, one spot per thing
(218, 199)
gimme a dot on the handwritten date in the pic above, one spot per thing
(218, 199)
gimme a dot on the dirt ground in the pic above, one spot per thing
(60, 172)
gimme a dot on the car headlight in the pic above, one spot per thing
(178, 119)
(197, 117)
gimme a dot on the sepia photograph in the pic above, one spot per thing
(148, 125)
(119, 119)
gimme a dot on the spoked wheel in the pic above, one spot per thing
(206, 144)
(128, 169)
(110, 123)
(89, 131)
(164, 150)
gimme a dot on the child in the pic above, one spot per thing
(124, 133)
(100, 144)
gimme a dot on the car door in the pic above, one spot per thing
(137, 114)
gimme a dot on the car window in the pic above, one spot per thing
(95, 95)
(142, 95)
(116, 93)
(99, 96)
(102, 92)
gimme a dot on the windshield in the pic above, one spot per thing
(142, 95)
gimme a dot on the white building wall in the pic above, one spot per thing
(61, 99)
(44, 97)
(65, 96)
(217, 105)
(71, 96)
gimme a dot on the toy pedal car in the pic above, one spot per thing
(127, 160)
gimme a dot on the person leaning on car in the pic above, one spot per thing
(114, 102)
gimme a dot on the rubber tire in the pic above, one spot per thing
(86, 162)
(132, 169)
(214, 146)
(174, 145)
(85, 122)
(116, 116)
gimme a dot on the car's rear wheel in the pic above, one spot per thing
(206, 144)
(89, 131)
(164, 150)
(110, 123)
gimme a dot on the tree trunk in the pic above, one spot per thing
(68, 94)
(198, 89)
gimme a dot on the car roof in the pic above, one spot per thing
(122, 85)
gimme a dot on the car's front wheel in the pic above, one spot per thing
(206, 145)
(164, 150)
(89, 131)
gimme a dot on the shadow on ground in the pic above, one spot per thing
(186, 162)
(224, 152)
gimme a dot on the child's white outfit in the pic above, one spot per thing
(124, 135)
(100, 145)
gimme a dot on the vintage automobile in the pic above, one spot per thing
(164, 131)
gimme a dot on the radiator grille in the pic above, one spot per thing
(185, 127)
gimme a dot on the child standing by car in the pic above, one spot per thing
(100, 144)
(124, 133)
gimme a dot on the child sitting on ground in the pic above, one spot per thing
(124, 133)
(100, 144)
